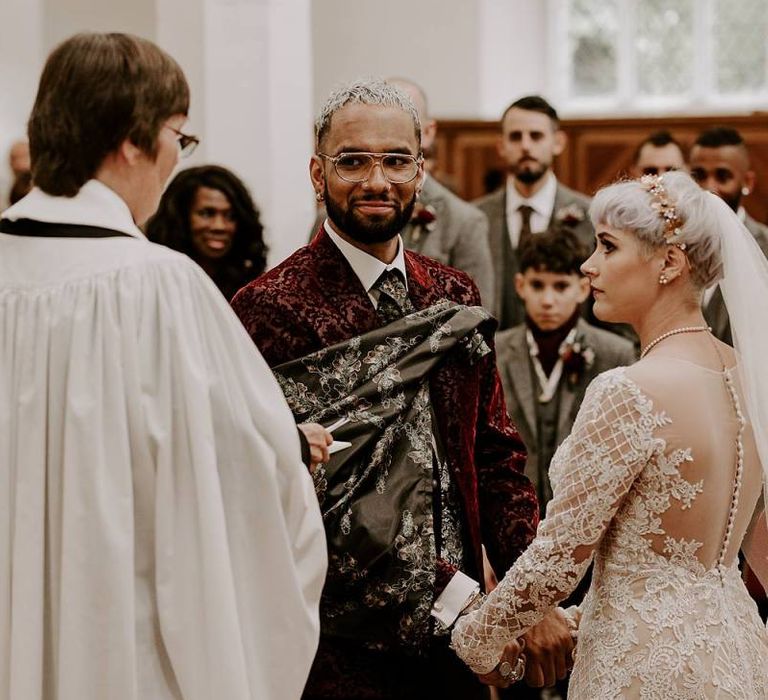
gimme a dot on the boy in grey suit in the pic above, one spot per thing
(546, 362)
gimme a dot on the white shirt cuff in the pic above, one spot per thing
(454, 598)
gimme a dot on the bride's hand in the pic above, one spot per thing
(510, 669)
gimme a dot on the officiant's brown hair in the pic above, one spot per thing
(97, 90)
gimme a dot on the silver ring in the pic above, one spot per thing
(512, 674)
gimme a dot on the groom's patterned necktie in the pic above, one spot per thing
(393, 296)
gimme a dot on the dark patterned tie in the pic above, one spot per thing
(393, 296)
(525, 228)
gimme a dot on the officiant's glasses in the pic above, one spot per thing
(187, 142)
(398, 168)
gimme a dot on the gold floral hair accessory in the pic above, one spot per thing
(667, 211)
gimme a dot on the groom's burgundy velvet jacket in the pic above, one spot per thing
(314, 299)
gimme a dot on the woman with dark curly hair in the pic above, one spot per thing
(207, 213)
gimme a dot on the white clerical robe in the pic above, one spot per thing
(159, 536)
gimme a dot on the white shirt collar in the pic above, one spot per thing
(94, 205)
(367, 268)
(741, 212)
(543, 202)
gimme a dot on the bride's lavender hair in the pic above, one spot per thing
(629, 206)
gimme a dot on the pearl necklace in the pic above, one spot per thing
(664, 336)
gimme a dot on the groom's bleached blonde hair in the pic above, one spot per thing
(367, 91)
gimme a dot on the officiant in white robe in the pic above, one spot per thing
(159, 535)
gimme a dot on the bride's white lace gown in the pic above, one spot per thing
(658, 482)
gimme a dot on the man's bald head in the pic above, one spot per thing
(419, 99)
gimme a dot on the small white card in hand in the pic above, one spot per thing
(338, 446)
(337, 424)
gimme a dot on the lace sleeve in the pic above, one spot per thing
(592, 471)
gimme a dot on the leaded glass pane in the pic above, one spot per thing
(664, 46)
(593, 31)
(740, 37)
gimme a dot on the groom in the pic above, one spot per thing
(368, 170)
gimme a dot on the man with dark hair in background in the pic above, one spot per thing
(532, 199)
(657, 154)
(719, 162)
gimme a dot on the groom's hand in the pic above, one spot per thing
(548, 647)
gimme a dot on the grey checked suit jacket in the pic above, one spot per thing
(506, 305)
(521, 394)
(459, 237)
(715, 312)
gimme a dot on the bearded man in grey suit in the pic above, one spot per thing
(719, 162)
(532, 200)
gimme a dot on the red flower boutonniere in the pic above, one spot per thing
(424, 219)
(577, 358)
(570, 215)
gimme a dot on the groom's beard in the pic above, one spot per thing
(367, 229)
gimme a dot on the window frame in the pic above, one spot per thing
(702, 99)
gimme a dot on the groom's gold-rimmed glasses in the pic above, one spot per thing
(397, 168)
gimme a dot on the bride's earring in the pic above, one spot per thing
(663, 279)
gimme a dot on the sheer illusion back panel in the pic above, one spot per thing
(702, 434)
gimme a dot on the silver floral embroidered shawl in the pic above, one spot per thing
(377, 496)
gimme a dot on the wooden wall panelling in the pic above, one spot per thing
(599, 151)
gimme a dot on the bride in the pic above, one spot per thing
(661, 477)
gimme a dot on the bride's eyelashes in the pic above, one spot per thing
(605, 245)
